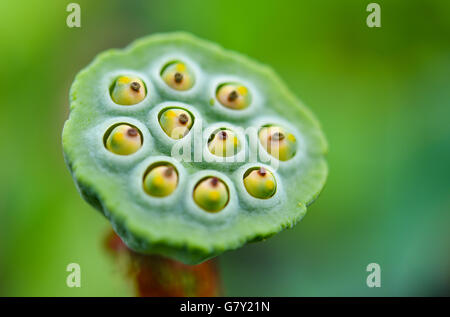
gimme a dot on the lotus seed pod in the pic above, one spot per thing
(178, 76)
(211, 194)
(260, 183)
(161, 180)
(125, 188)
(124, 140)
(234, 96)
(278, 142)
(224, 143)
(176, 122)
(128, 91)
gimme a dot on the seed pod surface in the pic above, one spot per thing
(191, 198)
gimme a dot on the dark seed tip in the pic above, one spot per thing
(135, 86)
(277, 136)
(178, 77)
(223, 135)
(262, 171)
(132, 132)
(214, 181)
(169, 171)
(233, 96)
(183, 118)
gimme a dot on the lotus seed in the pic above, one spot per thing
(161, 180)
(124, 140)
(224, 143)
(178, 76)
(233, 96)
(211, 194)
(260, 183)
(128, 91)
(278, 142)
(176, 123)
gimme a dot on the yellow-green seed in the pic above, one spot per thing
(233, 96)
(161, 181)
(260, 183)
(211, 194)
(176, 123)
(124, 140)
(278, 142)
(224, 143)
(178, 76)
(128, 90)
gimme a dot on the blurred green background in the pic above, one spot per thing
(382, 96)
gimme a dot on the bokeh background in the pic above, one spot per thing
(382, 96)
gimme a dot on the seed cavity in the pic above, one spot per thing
(211, 194)
(178, 76)
(126, 90)
(233, 96)
(260, 183)
(175, 122)
(160, 180)
(224, 143)
(278, 142)
(123, 139)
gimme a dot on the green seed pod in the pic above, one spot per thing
(161, 180)
(233, 96)
(123, 140)
(260, 183)
(125, 189)
(278, 142)
(178, 76)
(176, 122)
(211, 194)
(224, 143)
(128, 91)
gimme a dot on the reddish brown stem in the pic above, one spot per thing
(154, 275)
